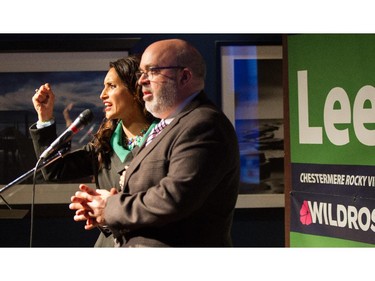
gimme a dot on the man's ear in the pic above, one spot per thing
(186, 76)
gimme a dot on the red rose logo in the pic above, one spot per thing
(304, 214)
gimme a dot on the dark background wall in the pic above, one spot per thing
(135, 43)
(53, 224)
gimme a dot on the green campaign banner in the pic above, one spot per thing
(332, 136)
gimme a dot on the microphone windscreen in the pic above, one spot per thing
(86, 117)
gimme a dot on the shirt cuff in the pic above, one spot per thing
(40, 125)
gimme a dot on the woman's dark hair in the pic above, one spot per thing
(126, 68)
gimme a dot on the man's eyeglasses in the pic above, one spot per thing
(155, 70)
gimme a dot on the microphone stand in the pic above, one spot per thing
(38, 166)
(43, 164)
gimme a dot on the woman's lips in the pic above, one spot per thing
(107, 106)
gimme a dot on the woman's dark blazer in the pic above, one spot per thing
(78, 164)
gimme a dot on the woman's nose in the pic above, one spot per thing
(103, 94)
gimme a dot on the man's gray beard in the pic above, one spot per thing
(165, 101)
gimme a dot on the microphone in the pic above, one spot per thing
(82, 120)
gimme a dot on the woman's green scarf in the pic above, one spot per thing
(117, 141)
